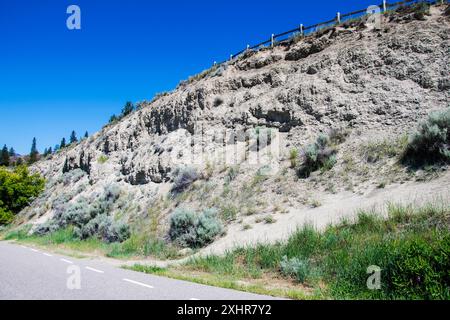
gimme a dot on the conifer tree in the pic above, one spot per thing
(12, 152)
(34, 152)
(113, 118)
(63, 143)
(4, 156)
(73, 137)
(127, 109)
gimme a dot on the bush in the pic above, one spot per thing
(190, 229)
(295, 267)
(89, 220)
(104, 228)
(77, 214)
(17, 189)
(47, 227)
(338, 135)
(6, 216)
(232, 173)
(430, 144)
(208, 227)
(293, 155)
(319, 155)
(183, 177)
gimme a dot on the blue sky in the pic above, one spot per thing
(54, 80)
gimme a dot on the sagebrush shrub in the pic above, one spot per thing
(104, 228)
(183, 177)
(431, 142)
(88, 219)
(319, 155)
(190, 229)
(295, 267)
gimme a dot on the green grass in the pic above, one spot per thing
(229, 282)
(411, 246)
(135, 246)
(143, 246)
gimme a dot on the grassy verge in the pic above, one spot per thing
(134, 247)
(268, 285)
(411, 247)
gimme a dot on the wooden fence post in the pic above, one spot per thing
(301, 29)
(338, 17)
(272, 40)
(384, 6)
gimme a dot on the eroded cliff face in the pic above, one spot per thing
(372, 82)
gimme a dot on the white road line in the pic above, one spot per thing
(194, 299)
(47, 254)
(24, 247)
(67, 261)
(34, 250)
(95, 270)
(138, 283)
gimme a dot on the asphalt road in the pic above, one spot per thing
(28, 273)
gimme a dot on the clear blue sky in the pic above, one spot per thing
(54, 80)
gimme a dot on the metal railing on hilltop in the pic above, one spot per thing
(339, 19)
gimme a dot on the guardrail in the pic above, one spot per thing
(340, 18)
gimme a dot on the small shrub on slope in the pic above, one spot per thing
(183, 177)
(319, 155)
(190, 229)
(430, 144)
(296, 267)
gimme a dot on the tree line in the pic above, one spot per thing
(9, 157)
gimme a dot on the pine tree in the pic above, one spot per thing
(34, 152)
(66, 166)
(4, 156)
(113, 118)
(73, 137)
(86, 135)
(12, 152)
(45, 152)
(63, 143)
(127, 109)
(50, 151)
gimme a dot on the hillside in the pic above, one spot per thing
(367, 89)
